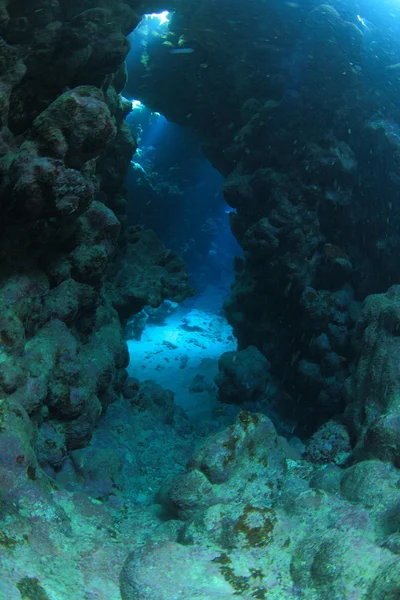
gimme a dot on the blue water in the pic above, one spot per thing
(199, 339)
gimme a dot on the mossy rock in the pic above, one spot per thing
(7, 542)
(3, 413)
(257, 525)
(30, 589)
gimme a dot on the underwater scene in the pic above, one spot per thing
(199, 299)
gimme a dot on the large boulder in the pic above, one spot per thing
(373, 390)
(242, 376)
(258, 520)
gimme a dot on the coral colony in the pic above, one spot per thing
(199, 391)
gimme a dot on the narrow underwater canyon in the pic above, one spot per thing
(288, 485)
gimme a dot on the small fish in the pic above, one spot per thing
(182, 51)
(394, 67)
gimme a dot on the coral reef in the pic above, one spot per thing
(330, 444)
(255, 527)
(65, 150)
(73, 533)
(145, 273)
(373, 409)
(242, 376)
(300, 173)
(137, 324)
(193, 573)
(106, 487)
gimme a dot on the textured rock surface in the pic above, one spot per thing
(305, 160)
(145, 273)
(74, 536)
(95, 501)
(373, 388)
(242, 376)
(191, 574)
(64, 153)
(246, 496)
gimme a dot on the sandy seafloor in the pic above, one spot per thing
(189, 343)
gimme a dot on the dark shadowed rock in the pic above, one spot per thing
(242, 376)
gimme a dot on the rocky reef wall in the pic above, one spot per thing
(64, 152)
(292, 114)
(293, 119)
(310, 154)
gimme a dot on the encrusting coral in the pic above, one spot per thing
(106, 488)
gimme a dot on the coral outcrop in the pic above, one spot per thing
(373, 389)
(258, 522)
(145, 273)
(242, 376)
(65, 150)
(309, 152)
(105, 485)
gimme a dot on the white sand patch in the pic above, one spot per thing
(189, 344)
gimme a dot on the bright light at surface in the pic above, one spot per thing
(163, 17)
(137, 105)
(362, 21)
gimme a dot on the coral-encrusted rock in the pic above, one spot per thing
(248, 449)
(382, 438)
(50, 445)
(113, 165)
(251, 438)
(98, 465)
(242, 376)
(42, 186)
(12, 71)
(67, 381)
(331, 562)
(64, 150)
(19, 468)
(168, 570)
(64, 45)
(131, 388)
(146, 273)
(96, 238)
(247, 495)
(329, 444)
(61, 351)
(375, 485)
(374, 387)
(76, 127)
(295, 151)
(153, 397)
(69, 299)
(387, 584)
(23, 294)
